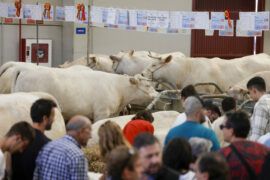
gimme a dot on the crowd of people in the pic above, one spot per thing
(203, 144)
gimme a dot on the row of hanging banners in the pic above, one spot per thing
(173, 22)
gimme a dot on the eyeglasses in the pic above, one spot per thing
(223, 126)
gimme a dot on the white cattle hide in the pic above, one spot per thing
(16, 107)
(6, 71)
(163, 121)
(96, 62)
(182, 71)
(95, 94)
(239, 90)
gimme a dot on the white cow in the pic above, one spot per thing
(182, 71)
(133, 63)
(239, 90)
(163, 121)
(96, 62)
(6, 71)
(16, 107)
(95, 94)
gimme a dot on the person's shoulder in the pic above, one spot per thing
(225, 151)
(166, 173)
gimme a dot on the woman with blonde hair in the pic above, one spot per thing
(110, 136)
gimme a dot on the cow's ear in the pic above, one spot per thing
(114, 58)
(133, 81)
(168, 59)
(94, 59)
(131, 52)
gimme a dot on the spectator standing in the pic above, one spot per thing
(245, 158)
(141, 122)
(192, 127)
(150, 152)
(17, 139)
(23, 164)
(260, 120)
(63, 159)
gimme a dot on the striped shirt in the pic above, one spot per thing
(260, 120)
(61, 159)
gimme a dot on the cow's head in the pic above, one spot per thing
(144, 89)
(155, 66)
(100, 63)
(238, 93)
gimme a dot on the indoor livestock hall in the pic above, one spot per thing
(134, 90)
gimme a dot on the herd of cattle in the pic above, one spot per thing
(100, 86)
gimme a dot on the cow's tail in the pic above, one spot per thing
(15, 76)
(44, 95)
(5, 67)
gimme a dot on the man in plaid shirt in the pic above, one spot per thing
(63, 159)
(260, 120)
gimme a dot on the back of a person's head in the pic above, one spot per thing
(40, 108)
(239, 122)
(110, 136)
(144, 115)
(215, 165)
(192, 104)
(199, 146)
(177, 154)
(215, 109)
(187, 91)
(257, 83)
(228, 104)
(120, 158)
(24, 129)
(144, 139)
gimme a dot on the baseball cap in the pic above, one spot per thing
(193, 103)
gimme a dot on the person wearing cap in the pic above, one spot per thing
(141, 122)
(192, 127)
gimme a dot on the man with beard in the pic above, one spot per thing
(23, 164)
(150, 153)
(193, 106)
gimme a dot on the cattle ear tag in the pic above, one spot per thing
(133, 81)
(131, 52)
(168, 59)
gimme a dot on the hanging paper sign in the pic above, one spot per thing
(228, 30)
(59, 13)
(13, 12)
(142, 18)
(132, 17)
(262, 21)
(172, 31)
(217, 21)
(162, 19)
(246, 33)
(96, 14)
(3, 9)
(47, 12)
(188, 20)
(227, 15)
(122, 17)
(18, 6)
(111, 17)
(201, 20)
(70, 13)
(152, 18)
(32, 12)
(175, 20)
(247, 21)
